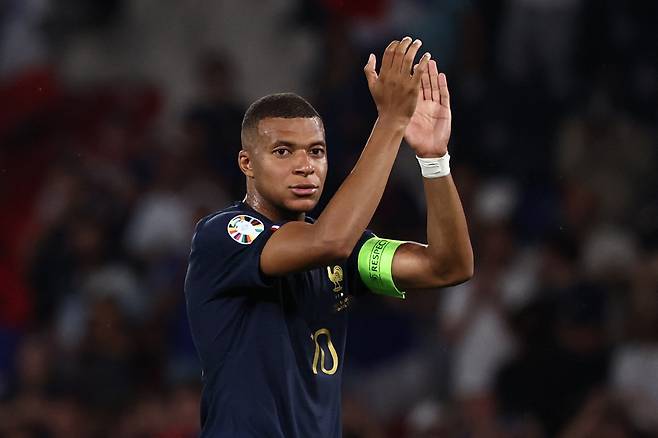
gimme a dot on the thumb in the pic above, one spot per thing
(369, 70)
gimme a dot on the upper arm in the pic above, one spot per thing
(414, 268)
(220, 261)
(298, 246)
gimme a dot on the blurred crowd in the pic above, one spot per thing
(119, 129)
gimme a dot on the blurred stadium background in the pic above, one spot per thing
(119, 126)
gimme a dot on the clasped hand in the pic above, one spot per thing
(417, 99)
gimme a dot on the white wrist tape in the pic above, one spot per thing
(434, 167)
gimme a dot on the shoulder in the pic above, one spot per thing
(231, 225)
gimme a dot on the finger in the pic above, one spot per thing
(370, 70)
(443, 90)
(399, 54)
(389, 55)
(434, 79)
(411, 55)
(420, 97)
(426, 85)
(422, 68)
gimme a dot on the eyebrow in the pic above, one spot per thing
(294, 145)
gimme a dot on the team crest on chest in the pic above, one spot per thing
(244, 228)
(342, 299)
(336, 276)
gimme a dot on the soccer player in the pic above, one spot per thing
(267, 287)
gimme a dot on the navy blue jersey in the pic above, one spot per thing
(271, 348)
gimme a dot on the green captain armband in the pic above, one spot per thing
(376, 266)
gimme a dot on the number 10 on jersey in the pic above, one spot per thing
(320, 354)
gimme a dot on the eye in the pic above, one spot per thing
(317, 151)
(281, 152)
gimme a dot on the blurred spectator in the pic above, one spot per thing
(69, 250)
(22, 42)
(529, 43)
(106, 369)
(26, 402)
(602, 416)
(120, 125)
(213, 122)
(636, 357)
(591, 151)
(550, 379)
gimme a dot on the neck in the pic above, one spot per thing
(254, 200)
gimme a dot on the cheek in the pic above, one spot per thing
(270, 173)
(321, 170)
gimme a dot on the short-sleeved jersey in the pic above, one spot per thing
(271, 348)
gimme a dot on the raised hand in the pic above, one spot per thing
(395, 89)
(428, 132)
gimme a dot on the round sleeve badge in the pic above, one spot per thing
(244, 229)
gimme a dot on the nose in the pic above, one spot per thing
(303, 164)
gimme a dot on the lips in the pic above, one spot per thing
(304, 189)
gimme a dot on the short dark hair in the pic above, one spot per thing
(284, 105)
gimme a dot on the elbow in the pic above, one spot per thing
(338, 252)
(464, 267)
(328, 246)
(455, 270)
(334, 250)
(467, 265)
(454, 276)
(462, 274)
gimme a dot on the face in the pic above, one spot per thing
(286, 164)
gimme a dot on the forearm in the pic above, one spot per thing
(449, 245)
(298, 245)
(352, 207)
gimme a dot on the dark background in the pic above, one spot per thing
(119, 128)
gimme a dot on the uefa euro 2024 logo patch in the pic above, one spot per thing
(244, 229)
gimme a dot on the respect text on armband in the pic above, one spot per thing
(375, 259)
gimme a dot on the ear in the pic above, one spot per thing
(244, 161)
